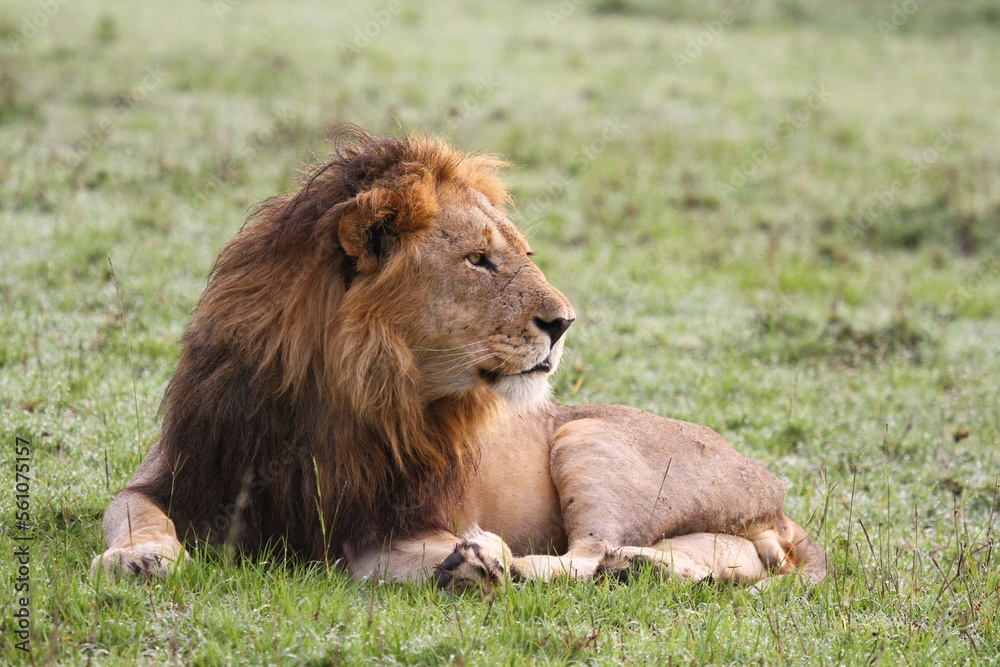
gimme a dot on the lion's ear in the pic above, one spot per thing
(367, 229)
(365, 240)
(375, 220)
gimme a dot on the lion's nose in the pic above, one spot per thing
(554, 328)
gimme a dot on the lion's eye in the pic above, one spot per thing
(480, 260)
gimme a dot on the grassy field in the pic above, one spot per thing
(779, 219)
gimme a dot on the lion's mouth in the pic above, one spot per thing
(541, 367)
(493, 376)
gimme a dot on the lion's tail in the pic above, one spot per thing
(807, 556)
(785, 546)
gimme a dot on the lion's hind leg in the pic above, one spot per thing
(693, 557)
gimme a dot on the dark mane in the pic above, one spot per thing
(282, 421)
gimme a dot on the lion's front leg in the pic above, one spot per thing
(581, 561)
(477, 559)
(141, 539)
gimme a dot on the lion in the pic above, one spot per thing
(364, 383)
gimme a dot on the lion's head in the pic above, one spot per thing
(445, 291)
(362, 333)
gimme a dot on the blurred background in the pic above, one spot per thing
(778, 218)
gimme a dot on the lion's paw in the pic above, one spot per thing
(479, 561)
(146, 561)
(622, 562)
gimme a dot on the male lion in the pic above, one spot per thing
(365, 380)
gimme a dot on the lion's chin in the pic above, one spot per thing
(524, 394)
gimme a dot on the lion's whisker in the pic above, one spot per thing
(457, 358)
(530, 225)
(462, 353)
(463, 363)
(505, 358)
(449, 349)
(470, 364)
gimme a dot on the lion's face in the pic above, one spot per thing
(471, 306)
(491, 317)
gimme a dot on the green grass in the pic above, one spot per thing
(765, 240)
